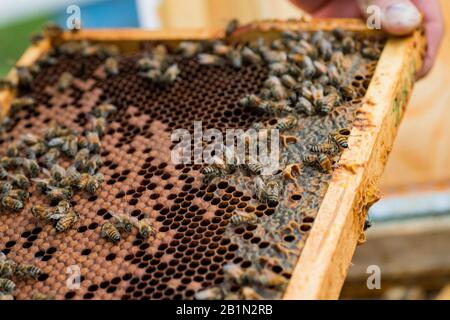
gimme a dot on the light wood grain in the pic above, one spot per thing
(421, 154)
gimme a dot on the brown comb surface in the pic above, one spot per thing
(194, 238)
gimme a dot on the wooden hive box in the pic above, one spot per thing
(338, 226)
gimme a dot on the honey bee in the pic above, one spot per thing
(367, 225)
(214, 293)
(288, 81)
(19, 194)
(213, 171)
(42, 185)
(235, 58)
(54, 130)
(12, 150)
(11, 162)
(146, 63)
(7, 286)
(267, 278)
(321, 68)
(94, 182)
(325, 104)
(305, 106)
(267, 192)
(327, 148)
(306, 48)
(65, 80)
(57, 173)
(274, 56)
(19, 103)
(275, 108)
(276, 88)
(5, 187)
(99, 125)
(3, 173)
(231, 27)
(29, 139)
(122, 222)
(110, 232)
(104, 110)
(93, 164)
(41, 212)
(189, 49)
(287, 123)
(24, 76)
(36, 150)
(41, 296)
(250, 101)
(145, 228)
(210, 60)
(324, 162)
(93, 142)
(67, 221)
(371, 53)
(250, 294)
(58, 194)
(333, 75)
(325, 49)
(236, 273)
(241, 217)
(7, 267)
(340, 138)
(170, 75)
(348, 92)
(81, 158)
(28, 271)
(153, 75)
(67, 144)
(20, 180)
(51, 157)
(112, 66)
(251, 57)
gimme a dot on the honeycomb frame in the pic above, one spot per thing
(321, 268)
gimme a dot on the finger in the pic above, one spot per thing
(398, 17)
(434, 31)
(310, 6)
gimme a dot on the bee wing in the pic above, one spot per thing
(2, 256)
(56, 216)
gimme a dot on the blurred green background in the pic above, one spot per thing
(14, 39)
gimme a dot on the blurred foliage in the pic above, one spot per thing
(14, 39)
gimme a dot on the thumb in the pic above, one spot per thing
(398, 17)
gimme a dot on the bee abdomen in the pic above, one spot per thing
(7, 286)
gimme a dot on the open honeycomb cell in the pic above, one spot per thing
(194, 238)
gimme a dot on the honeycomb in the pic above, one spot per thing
(194, 238)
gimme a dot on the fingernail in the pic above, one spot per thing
(401, 18)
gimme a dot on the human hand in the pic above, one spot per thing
(399, 17)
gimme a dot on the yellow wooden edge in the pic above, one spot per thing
(323, 264)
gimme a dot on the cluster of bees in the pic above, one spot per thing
(9, 271)
(305, 79)
(247, 279)
(122, 223)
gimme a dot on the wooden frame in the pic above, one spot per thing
(323, 264)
